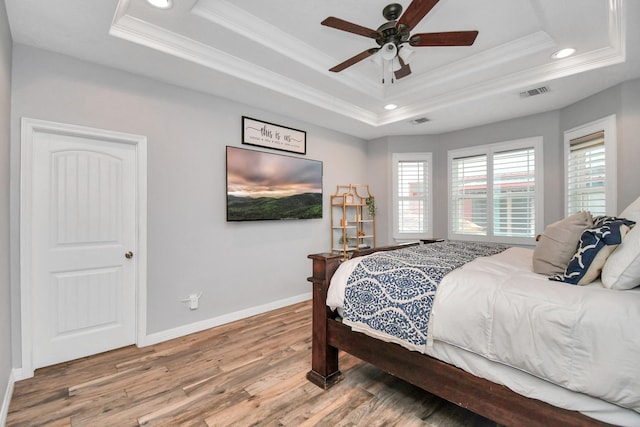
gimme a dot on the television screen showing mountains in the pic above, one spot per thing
(267, 186)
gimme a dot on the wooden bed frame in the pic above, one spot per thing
(479, 395)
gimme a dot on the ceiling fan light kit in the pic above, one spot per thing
(405, 53)
(389, 51)
(393, 34)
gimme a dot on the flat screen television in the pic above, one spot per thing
(267, 186)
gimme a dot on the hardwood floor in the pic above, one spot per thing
(250, 372)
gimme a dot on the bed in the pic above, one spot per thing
(596, 383)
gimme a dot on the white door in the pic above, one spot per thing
(83, 246)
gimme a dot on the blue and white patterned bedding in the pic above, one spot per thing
(571, 346)
(392, 293)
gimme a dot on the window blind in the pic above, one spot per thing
(586, 174)
(413, 195)
(493, 191)
(514, 193)
(469, 195)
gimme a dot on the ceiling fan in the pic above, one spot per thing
(392, 35)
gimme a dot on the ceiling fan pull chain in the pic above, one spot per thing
(386, 68)
(391, 70)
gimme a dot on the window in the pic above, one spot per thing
(494, 191)
(514, 193)
(590, 159)
(469, 195)
(412, 196)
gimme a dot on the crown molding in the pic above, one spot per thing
(617, 26)
(239, 21)
(146, 34)
(417, 99)
(491, 59)
(513, 82)
(613, 54)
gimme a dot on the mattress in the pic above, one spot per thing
(570, 346)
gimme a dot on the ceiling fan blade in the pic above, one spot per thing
(350, 27)
(450, 38)
(355, 59)
(404, 70)
(417, 10)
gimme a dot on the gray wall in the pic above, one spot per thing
(629, 146)
(5, 294)
(379, 168)
(545, 125)
(242, 265)
(622, 100)
(191, 247)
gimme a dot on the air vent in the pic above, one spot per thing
(534, 92)
(419, 121)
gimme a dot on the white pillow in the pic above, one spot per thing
(632, 211)
(622, 269)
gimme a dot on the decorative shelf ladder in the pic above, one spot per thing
(353, 219)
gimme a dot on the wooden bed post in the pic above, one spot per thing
(324, 358)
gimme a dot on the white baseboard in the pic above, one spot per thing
(4, 409)
(21, 374)
(220, 320)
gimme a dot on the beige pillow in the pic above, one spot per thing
(557, 244)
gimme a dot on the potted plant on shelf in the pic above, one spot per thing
(344, 240)
(371, 204)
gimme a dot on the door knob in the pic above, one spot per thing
(128, 255)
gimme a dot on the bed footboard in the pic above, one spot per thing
(324, 359)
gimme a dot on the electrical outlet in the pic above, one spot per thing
(193, 301)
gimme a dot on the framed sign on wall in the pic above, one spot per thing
(269, 135)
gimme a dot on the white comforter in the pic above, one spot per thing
(584, 338)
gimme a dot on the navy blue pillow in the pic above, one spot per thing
(606, 231)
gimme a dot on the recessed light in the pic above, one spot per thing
(390, 107)
(563, 53)
(160, 4)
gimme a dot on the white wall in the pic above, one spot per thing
(5, 294)
(191, 247)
